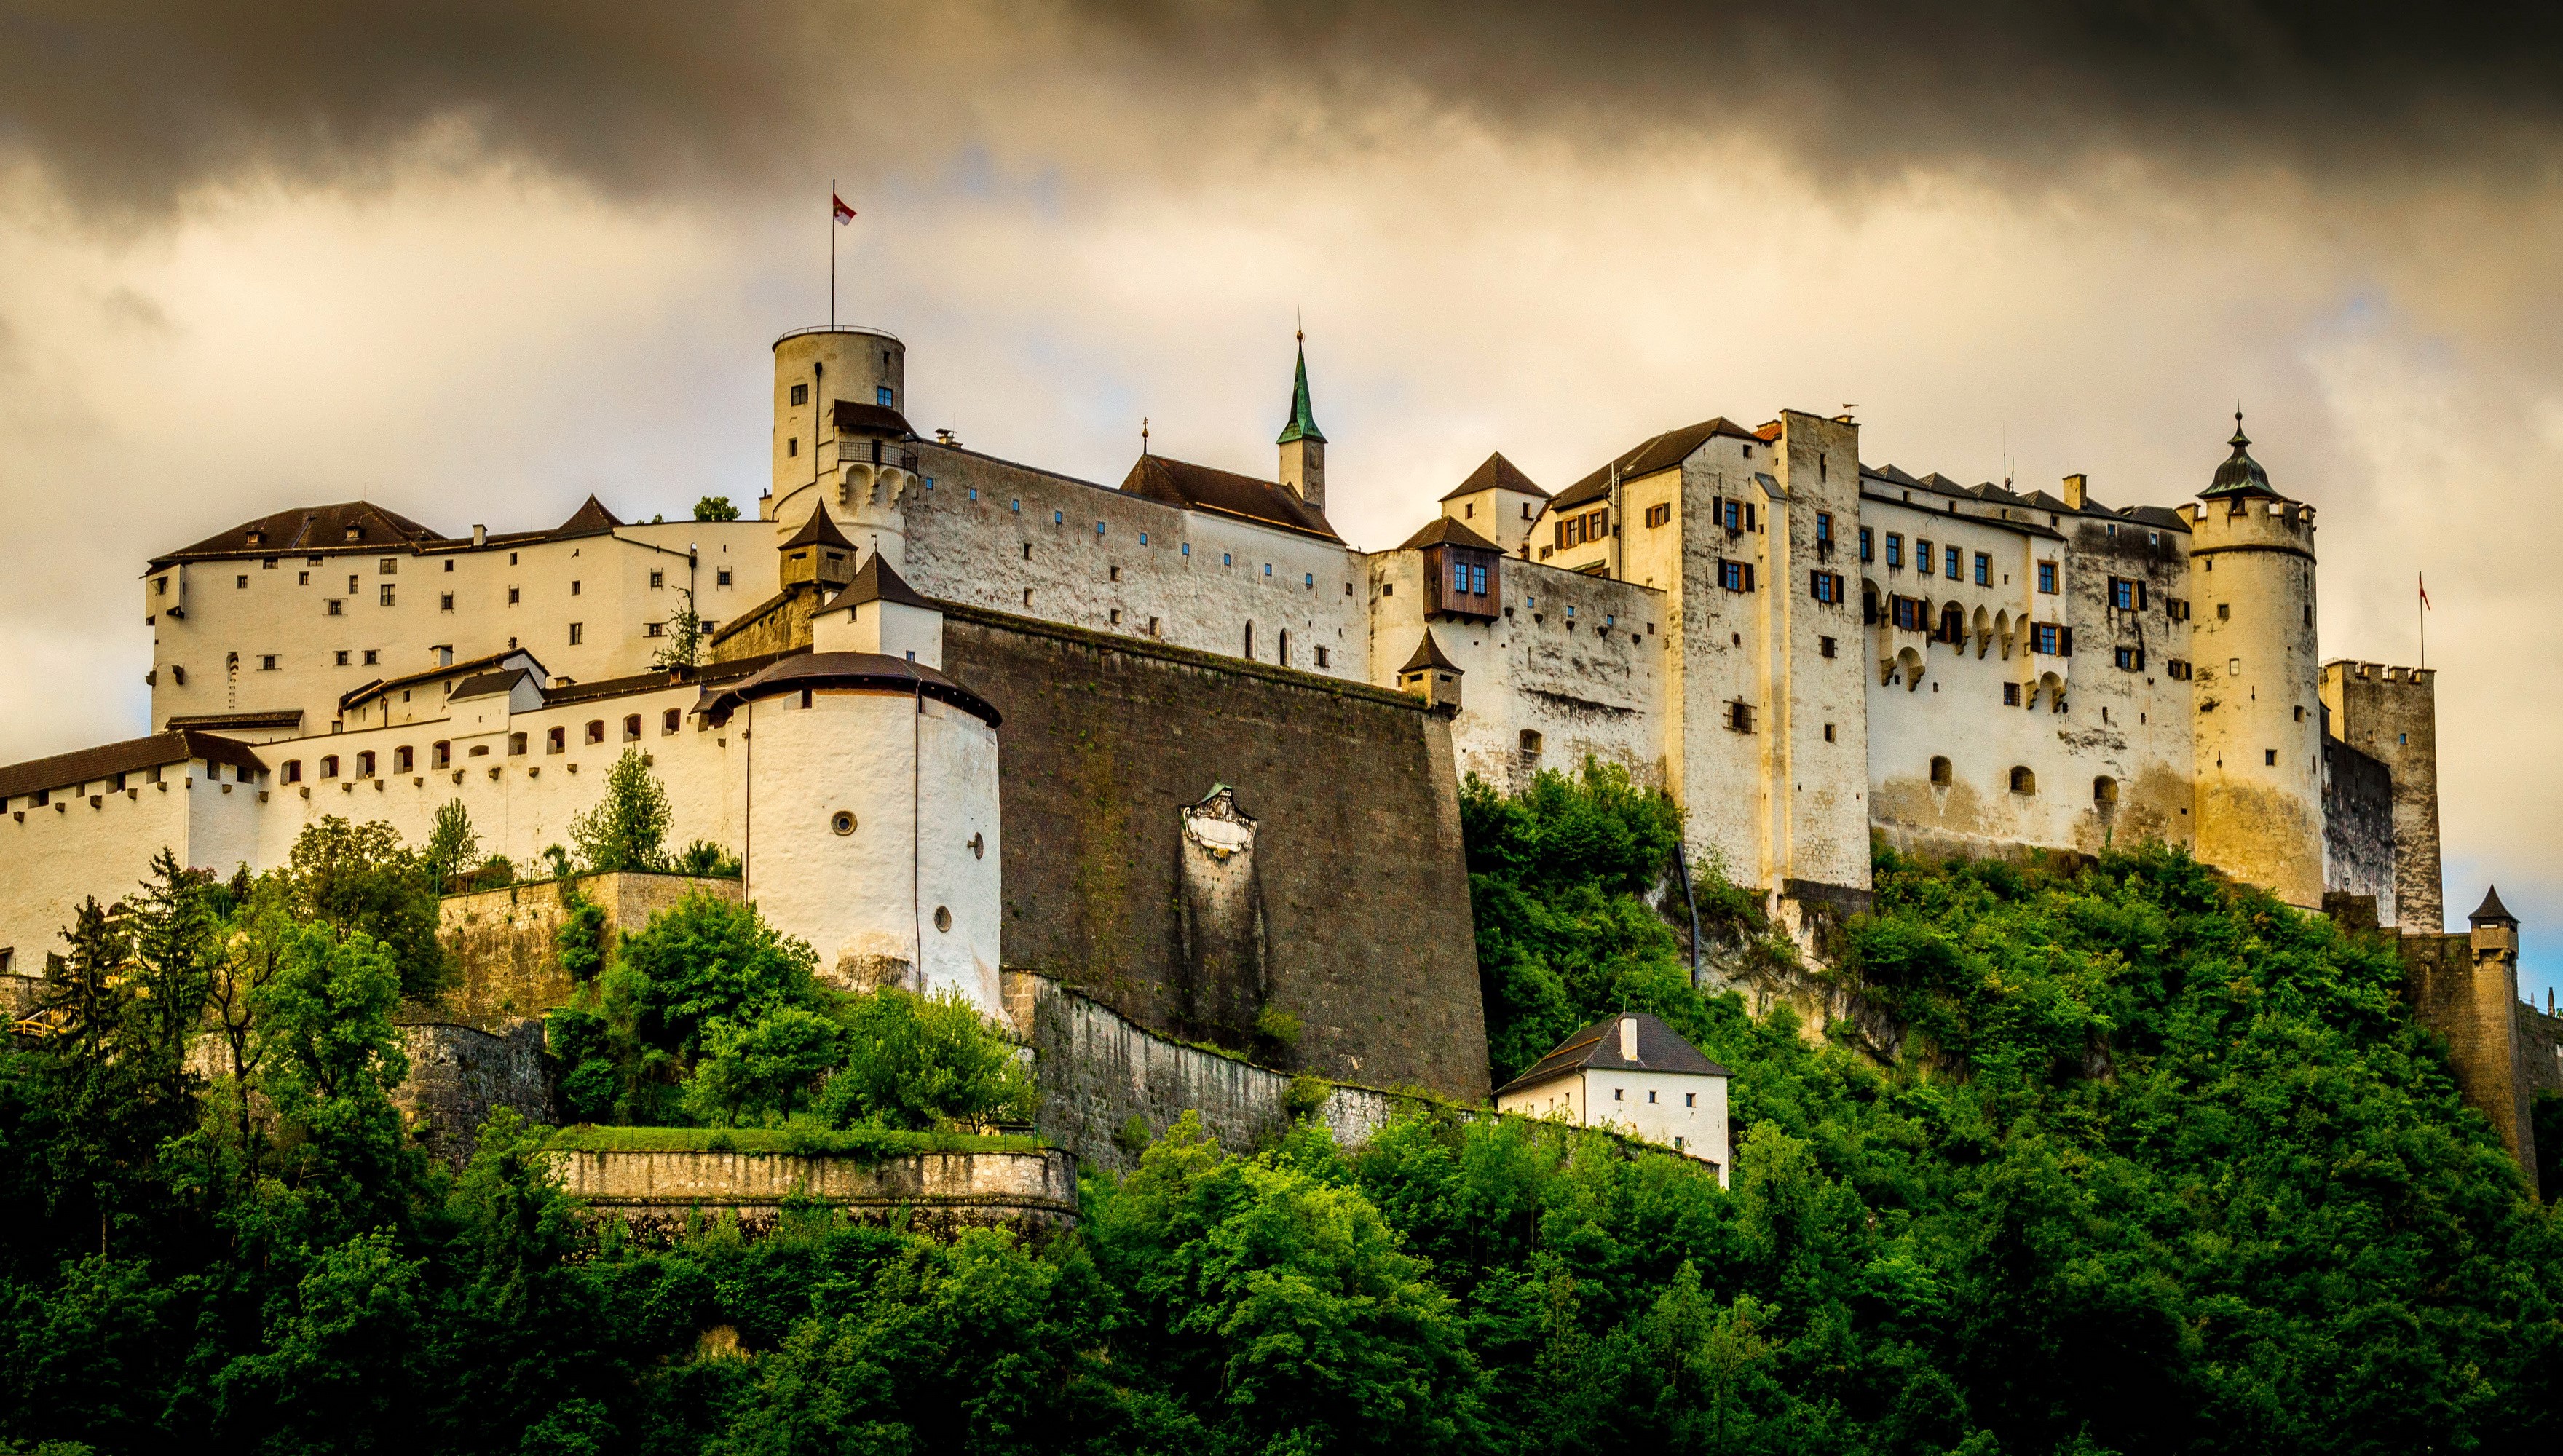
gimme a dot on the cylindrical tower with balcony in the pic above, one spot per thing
(2256, 693)
(841, 434)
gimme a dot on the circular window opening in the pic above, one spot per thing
(843, 823)
(942, 918)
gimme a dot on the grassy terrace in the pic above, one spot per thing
(802, 1142)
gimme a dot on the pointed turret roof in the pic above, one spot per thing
(1428, 654)
(876, 582)
(2240, 475)
(589, 520)
(1303, 421)
(819, 530)
(2491, 909)
(1498, 474)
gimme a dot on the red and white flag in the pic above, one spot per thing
(2425, 588)
(845, 214)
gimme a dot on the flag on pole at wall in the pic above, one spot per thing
(845, 214)
(2425, 588)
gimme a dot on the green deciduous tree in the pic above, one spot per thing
(628, 829)
(363, 878)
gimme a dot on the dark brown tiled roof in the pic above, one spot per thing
(68, 770)
(1655, 453)
(876, 582)
(852, 418)
(272, 718)
(819, 530)
(1200, 487)
(1498, 474)
(1428, 654)
(800, 672)
(307, 530)
(590, 519)
(1447, 531)
(487, 683)
(1659, 1049)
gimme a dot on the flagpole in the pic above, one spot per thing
(2423, 611)
(832, 255)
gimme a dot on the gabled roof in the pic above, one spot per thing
(1447, 531)
(70, 770)
(1427, 654)
(1304, 421)
(487, 684)
(876, 582)
(307, 530)
(466, 668)
(1200, 487)
(1498, 474)
(851, 417)
(819, 530)
(1655, 453)
(2491, 909)
(1597, 1047)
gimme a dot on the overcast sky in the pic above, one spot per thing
(473, 261)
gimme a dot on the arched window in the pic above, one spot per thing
(292, 770)
(402, 758)
(439, 755)
(2023, 781)
(1942, 775)
(669, 720)
(596, 730)
(516, 743)
(1249, 642)
(631, 726)
(2105, 789)
(557, 740)
(1953, 623)
(1282, 647)
(365, 764)
(329, 766)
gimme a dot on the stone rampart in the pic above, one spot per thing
(1099, 1071)
(504, 944)
(2473, 1003)
(661, 1193)
(1361, 887)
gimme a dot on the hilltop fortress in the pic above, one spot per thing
(1181, 743)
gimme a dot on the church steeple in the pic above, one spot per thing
(1303, 445)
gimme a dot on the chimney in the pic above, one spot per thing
(480, 535)
(1628, 1038)
(2075, 486)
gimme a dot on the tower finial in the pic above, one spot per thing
(1143, 434)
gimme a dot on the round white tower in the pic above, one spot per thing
(870, 819)
(2258, 688)
(841, 434)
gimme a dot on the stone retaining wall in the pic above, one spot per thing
(502, 940)
(659, 1193)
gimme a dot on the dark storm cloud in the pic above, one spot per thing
(126, 106)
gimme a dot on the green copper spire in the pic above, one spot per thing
(1303, 421)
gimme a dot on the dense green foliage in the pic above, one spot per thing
(628, 828)
(2156, 1165)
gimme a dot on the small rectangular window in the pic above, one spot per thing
(577, 633)
(1736, 576)
(1983, 569)
(1922, 557)
(800, 394)
(1824, 528)
(1658, 515)
(373, 657)
(2047, 577)
(267, 663)
(655, 628)
(2011, 694)
(573, 589)
(340, 661)
(240, 584)
(387, 593)
(1825, 648)
(1867, 541)
(1895, 551)
(389, 566)
(1952, 565)
(445, 602)
(881, 396)
(2269, 757)
(658, 579)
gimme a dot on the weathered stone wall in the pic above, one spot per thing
(504, 940)
(1363, 888)
(2540, 1052)
(2358, 828)
(458, 1075)
(2391, 715)
(2473, 1003)
(660, 1192)
(1098, 1071)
